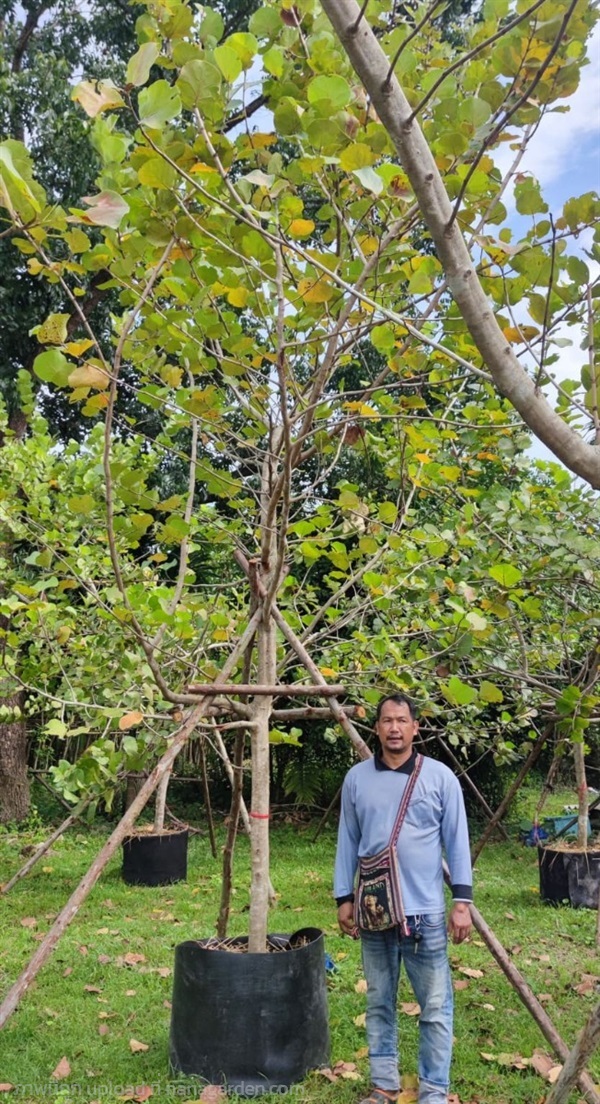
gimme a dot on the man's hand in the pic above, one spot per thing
(459, 922)
(346, 919)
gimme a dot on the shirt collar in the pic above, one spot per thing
(406, 768)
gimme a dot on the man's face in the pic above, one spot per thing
(396, 730)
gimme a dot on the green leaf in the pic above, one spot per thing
(333, 90)
(81, 504)
(139, 66)
(157, 173)
(458, 692)
(356, 156)
(489, 692)
(388, 512)
(52, 367)
(278, 736)
(158, 104)
(265, 23)
(245, 46)
(506, 574)
(56, 728)
(370, 180)
(229, 62)
(198, 82)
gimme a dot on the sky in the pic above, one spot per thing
(564, 155)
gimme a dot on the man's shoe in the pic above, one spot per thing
(381, 1096)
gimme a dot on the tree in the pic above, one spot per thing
(249, 279)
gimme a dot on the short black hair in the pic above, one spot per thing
(399, 699)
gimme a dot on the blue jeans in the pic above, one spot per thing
(427, 968)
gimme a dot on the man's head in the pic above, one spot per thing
(396, 726)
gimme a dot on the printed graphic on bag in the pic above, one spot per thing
(374, 903)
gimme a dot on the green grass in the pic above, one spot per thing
(59, 1017)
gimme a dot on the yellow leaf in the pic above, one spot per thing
(63, 634)
(200, 167)
(129, 720)
(328, 672)
(360, 1020)
(76, 348)
(521, 335)
(96, 98)
(301, 228)
(54, 330)
(89, 375)
(423, 457)
(238, 297)
(315, 291)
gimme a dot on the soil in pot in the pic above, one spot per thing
(570, 875)
(254, 1023)
(154, 859)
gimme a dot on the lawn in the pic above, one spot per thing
(108, 984)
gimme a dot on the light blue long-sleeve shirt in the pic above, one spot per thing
(435, 823)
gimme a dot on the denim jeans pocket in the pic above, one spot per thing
(433, 920)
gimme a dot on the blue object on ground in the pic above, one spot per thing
(330, 965)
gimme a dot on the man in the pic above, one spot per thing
(435, 820)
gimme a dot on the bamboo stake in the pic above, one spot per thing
(585, 1046)
(465, 775)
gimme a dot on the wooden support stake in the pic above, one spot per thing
(588, 1040)
(207, 804)
(530, 1001)
(87, 883)
(296, 690)
(43, 849)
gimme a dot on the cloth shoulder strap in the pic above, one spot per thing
(406, 796)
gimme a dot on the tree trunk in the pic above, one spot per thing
(14, 782)
(583, 795)
(160, 802)
(396, 114)
(259, 807)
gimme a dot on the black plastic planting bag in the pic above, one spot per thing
(251, 1022)
(155, 860)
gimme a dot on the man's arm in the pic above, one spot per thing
(455, 838)
(346, 861)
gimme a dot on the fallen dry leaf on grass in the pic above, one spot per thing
(92, 989)
(5, 1086)
(546, 1066)
(346, 1070)
(103, 1029)
(460, 984)
(63, 1069)
(136, 1047)
(29, 922)
(129, 959)
(361, 1020)
(411, 1008)
(212, 1094)
(361, 986)
(468, 971)
(138, 1094)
